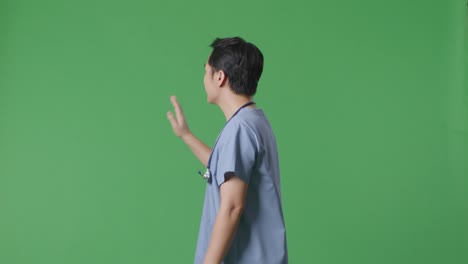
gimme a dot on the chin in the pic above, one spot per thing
(210, 100)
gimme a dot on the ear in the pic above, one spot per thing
(221, 78)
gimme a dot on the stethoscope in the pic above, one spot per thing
(207, 174)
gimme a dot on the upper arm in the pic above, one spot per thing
(233, 192)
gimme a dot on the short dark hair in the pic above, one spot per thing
(241, 61)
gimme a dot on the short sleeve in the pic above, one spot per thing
(237, 153)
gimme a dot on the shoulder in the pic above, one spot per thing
(241, 126)
(250, 118)
(248, 125)
(238, 128)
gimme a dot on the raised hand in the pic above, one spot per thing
(179, 125)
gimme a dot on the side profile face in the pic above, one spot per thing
(210, 80)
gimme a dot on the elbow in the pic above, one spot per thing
(234, 211)
(237, 210)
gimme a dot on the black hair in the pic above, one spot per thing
(241, 61)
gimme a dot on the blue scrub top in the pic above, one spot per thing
(247, 147)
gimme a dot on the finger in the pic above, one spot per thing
(172, 119)
(178, 109)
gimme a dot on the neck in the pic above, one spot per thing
(230, 105)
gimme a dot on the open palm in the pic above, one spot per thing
(179, 125)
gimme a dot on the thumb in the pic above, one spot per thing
(171, 119)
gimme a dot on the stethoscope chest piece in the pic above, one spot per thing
(205, 175)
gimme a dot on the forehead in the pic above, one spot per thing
(207, 66)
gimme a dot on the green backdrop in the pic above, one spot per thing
(368, 100)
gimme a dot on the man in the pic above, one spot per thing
(242, 220)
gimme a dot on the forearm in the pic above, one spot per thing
(199, 149)
(224, 229)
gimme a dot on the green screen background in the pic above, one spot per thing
(368, 100)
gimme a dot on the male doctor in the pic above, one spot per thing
(242, 220)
